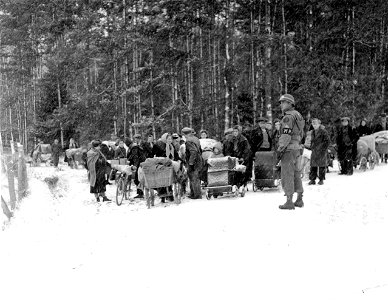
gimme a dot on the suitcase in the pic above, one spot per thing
(265, 173)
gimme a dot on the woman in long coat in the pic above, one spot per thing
(346, 139)
(96, 165)
(320, 142)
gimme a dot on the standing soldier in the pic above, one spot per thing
(289, 151)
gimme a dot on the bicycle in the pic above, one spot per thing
(123, 187)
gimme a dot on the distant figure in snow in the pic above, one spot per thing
(56, 149)
(346, 139)
(363, 129)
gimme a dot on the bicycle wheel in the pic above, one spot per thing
(120, 191)
(127, 188)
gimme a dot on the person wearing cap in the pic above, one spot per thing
(136, 155)
(346, 139)
(289, 151)
(319, 146)
(176, 141)
(266, 141)
(242, 150)
(194, 162)
(96, 166)
(382, 125)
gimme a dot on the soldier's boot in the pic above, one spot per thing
(289, 204)
(299, 200)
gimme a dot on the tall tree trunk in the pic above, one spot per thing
(268, 57)
(60, 105)
(285, 49)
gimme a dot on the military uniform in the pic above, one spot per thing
(290, 151)
(291, 130)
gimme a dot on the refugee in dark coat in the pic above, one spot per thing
(242, 150)
(382, 125)
(148, 146)
(96, 165)
(320, 142)
(194, 162)
(120, 151)
(227, 143)
(56, 149)
(266, 142)
(346, 138)
(254, 137)
(136, 155)
(363, 129)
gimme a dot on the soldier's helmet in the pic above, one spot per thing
(288, 98)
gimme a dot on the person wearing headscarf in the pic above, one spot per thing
(165, 148)
(96, 165)
(363, 129)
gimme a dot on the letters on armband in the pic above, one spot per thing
(287, 130)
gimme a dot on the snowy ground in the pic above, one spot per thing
(63, 245)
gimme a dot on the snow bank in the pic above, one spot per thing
(63, 245)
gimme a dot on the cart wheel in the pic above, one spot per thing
(242, 194)
(254, 188)
(207, 195)
(235, 190)
(120, 192)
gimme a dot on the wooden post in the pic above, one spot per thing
(11, 182)
(5, 208)
(22, 179)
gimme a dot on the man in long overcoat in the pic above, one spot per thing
(320, 142)
(194, 162)
(346, 138)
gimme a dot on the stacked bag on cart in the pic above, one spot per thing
(221, 171)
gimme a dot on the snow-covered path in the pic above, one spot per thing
(68, 247)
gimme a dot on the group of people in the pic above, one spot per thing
(288, 139)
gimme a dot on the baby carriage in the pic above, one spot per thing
(223, 177)
(265, 170)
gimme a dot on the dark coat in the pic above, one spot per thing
(120, 152)
(56, 149)
(136, 155)
(159, 150)
(241, 149)
(148, 149)
(194, 153)
(227, 145)
(363, 130)
(346, 141)
(380, 127)
(255, 138)
(320, 142)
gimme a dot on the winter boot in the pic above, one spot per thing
(140, 194)
(320, 182)
(289, 204)
(311, 182)
(105, 198)
(299, 201)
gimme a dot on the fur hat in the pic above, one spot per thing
(96, 143)
(187, 130)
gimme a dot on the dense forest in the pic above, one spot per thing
(96, 68)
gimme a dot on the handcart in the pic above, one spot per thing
(265, 170)
(157, 178)
(222, 177)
